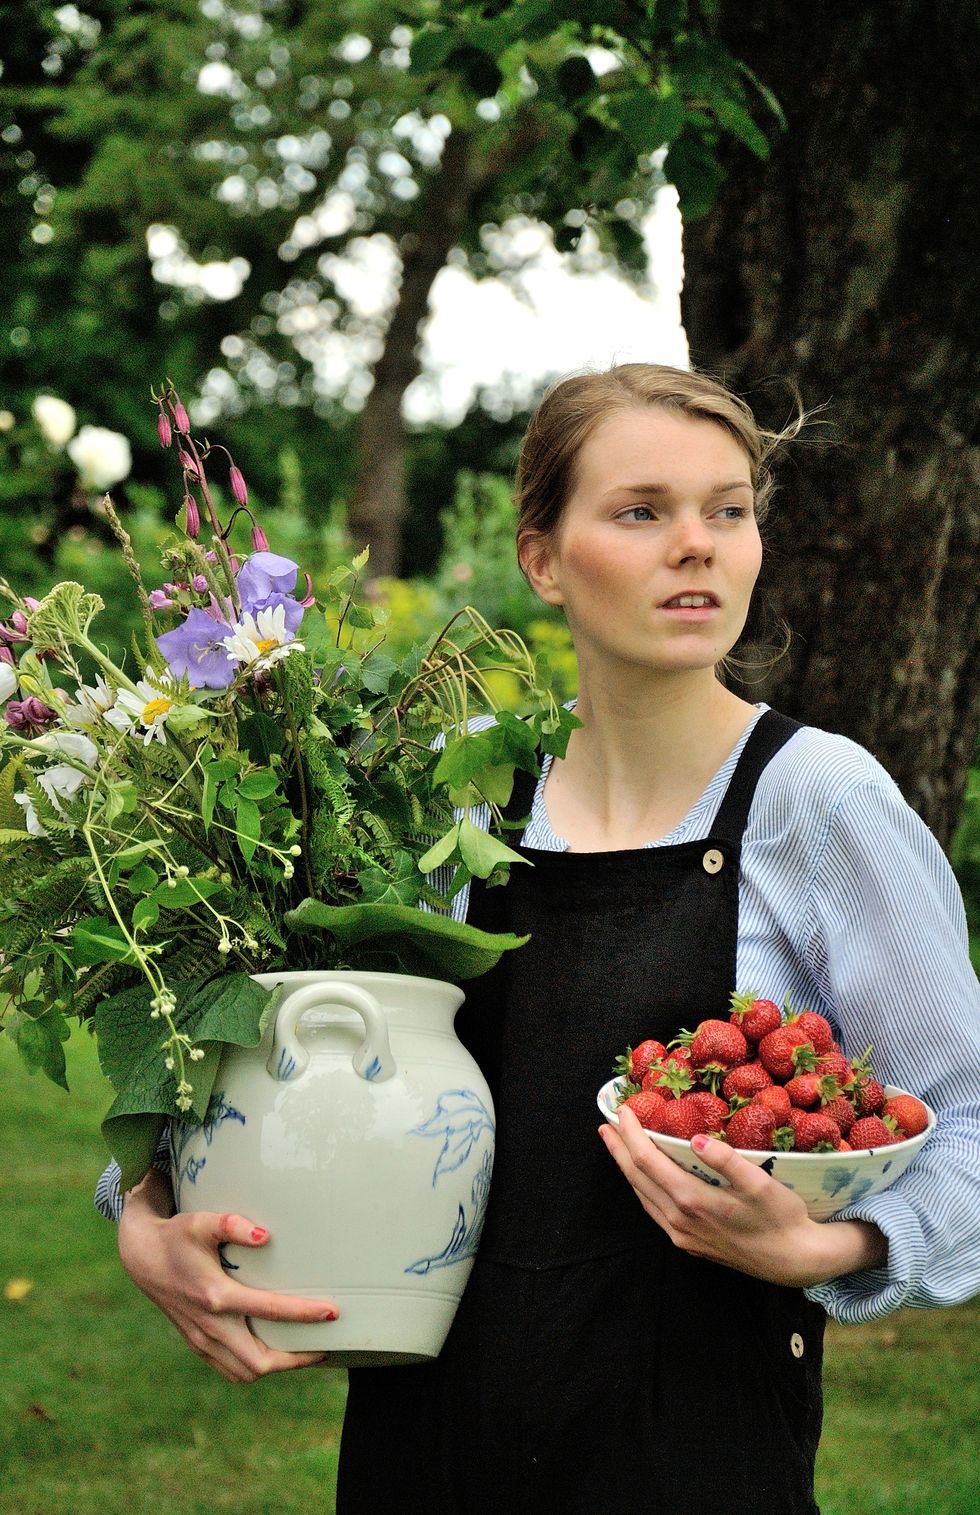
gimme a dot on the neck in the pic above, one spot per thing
(644, 753)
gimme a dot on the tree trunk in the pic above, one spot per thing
(378, 506)
(845, 268)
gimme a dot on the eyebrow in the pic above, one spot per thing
(663, 489)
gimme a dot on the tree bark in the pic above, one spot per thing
(379, 502)
(845, 269)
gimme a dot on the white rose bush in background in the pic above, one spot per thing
(257, 790)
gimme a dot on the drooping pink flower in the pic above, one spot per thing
(30, 716)
(260, 542)
(309, 598)
(181, 419)
(192, 516)
(159, 599)
(237, 484)
(164, 431)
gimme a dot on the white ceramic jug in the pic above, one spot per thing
(360, 1133)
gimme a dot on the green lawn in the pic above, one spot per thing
(104, 1412)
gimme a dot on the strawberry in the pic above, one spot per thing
(648, 1109)
(715, 1045)
(836, 1065)
(775, 1099)
(841, 1112)
(816, 1133)
(685, 1119)
(636, 1060)
(754, 1017)
(810, 1089)
(751, 1128)
(713, 1109)
(786, 1051)
(867, 1094)
(909, 1114)
(871, 1131)
(671, 1078)
(746, 1080)
(818, 1029)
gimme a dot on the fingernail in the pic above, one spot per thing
(259, 1233)
(699, 1142)
(328, 1315)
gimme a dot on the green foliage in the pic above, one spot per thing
(395, 936)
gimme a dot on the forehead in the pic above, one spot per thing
(654, 445)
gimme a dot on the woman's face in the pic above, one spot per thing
(657, 551)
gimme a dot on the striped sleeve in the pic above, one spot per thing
(886, 939)
(108, 1194)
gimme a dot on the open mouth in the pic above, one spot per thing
(690, 602)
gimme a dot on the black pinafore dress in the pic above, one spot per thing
(590, 1359)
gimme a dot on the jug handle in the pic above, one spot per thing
(373, 1059)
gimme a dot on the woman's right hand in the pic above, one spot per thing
(174, 1260)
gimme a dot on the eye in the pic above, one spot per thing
(734, 512)
(636, 513)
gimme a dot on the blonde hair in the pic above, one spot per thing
(573, 408)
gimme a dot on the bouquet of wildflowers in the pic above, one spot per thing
(262, 788)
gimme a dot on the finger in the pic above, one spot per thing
(745, 1177)
(265, 1304)
(221, 1229)
(232, 1337)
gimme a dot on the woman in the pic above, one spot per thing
(689, 843)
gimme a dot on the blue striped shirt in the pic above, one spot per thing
(848, 905)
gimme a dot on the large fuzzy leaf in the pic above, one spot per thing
(228, 1008)
(416, 939)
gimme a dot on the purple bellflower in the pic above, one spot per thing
(266, 581)
(195, 649)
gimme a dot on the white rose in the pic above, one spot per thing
(102, 457)
(8, 681)
(71, 742)
(56, 419)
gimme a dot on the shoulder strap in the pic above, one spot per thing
(771, 731)
(518, 807)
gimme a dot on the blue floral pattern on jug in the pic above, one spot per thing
(181, 1133)
(286, 1065)
(458, 1121)
(466, 1235)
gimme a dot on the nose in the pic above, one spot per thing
(691, 540)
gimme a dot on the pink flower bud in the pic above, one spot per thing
(159, 599)
(260, 542)
(237, 484)
(31, 603)
(235, 565)
(6, 656)
(309, 598)
(189, 464)
(163, 428)
(211, 556)
(192, 516)
(29, 716)
(200, 583)
(181, 419)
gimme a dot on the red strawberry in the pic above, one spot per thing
(867, 1094)
(871, 1131)
(818, 1029)
(746, 1080)
(671, 1078)
(845, 1145)
(713, 1109)
(836, 1065)
(648, 1109)
(816, 1133)
(786, 1052)
(641, 1057)
(810, 1089)
(775, 1099)
(841, 1112)
(752, 1128)
(685, 1119)
(754, 1017)
(715, 1044)
(909, 1114)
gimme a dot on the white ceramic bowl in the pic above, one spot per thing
(825, 1181)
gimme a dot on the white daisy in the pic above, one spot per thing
(259, 641)
(148, 706)
(92, 702)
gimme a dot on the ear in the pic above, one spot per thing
(537, 557)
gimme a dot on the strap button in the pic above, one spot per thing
(796, 1344)
(713, 861)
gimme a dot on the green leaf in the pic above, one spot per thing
(248, 820)
(230, 1008)
(121, 799)
(648, 121)
(142, 879)
(556, 731)
(131, 855)
(481, 852)
(440, 851)
(66, 611)
(258, 786)
(98, 940)
(429, 51)
(261, 737)
(359, 616)
(462, 759)
(184, 892)
(377, 672)
(146, 913)
(40, 1042)
(183, 716)
(436, 942)
(496, 783)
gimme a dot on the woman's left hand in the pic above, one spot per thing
(756, 1225)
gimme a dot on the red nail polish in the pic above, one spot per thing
(259, 1233)
(329, 1315)
(699, 1142)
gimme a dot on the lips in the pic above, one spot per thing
(691, 599)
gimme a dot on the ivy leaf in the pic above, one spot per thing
(556, 730)
(441, 851)
(462, 758)
(417, 939)
(40, 1042)
(99, 940)
(481, 852)
(230, 1008)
